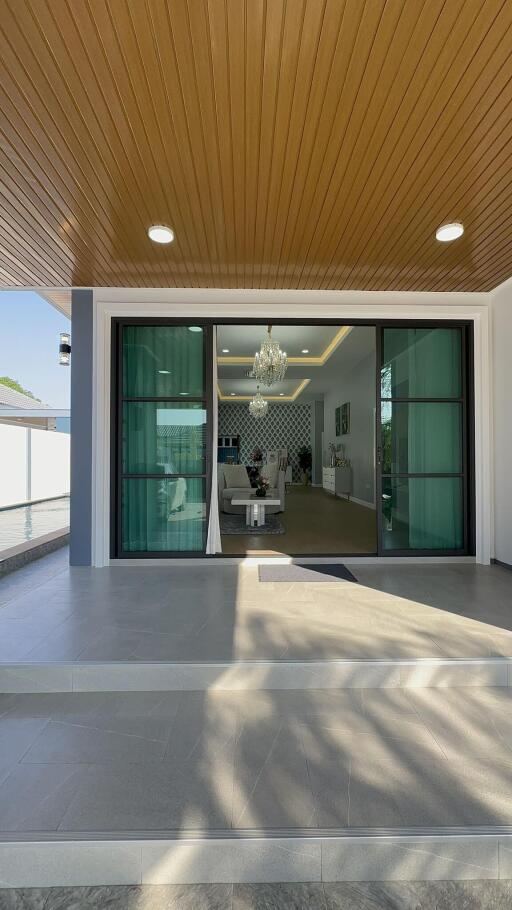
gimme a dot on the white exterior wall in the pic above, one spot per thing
(36, 471)
(501, 310)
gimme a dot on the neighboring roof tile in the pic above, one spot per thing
(9, 398)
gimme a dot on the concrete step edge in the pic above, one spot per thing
(133, 676)
(277, 856)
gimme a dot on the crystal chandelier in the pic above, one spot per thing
(270, 362)
(258, 407)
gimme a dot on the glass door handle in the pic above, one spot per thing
(379, 455)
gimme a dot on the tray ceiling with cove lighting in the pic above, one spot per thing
(314, 144)
(305, 374)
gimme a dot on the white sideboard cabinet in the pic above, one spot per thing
(337, 480)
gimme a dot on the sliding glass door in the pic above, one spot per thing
(422, 464)
(161, 439)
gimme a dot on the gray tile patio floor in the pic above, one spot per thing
(155, 762)
(476, 895)
(49, 612)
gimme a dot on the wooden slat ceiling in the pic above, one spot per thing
(289, 143)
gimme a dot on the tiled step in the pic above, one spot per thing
(282, 785)
(126, 676)
(308, 856)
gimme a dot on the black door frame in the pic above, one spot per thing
(467, 441)
(207, 324)
(116, 416)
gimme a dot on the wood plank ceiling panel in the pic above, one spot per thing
(289, 143)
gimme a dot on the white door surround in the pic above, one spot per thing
(342, 306)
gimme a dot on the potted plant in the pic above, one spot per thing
(305, 463)
(256, 456)
(262, 487)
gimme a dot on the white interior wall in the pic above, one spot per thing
(356, 386)
(501, 310)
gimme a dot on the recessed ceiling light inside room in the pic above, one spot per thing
(305, 350)
(195, 328)
(281, 394)
(225, 350)
(232, 393)
(184, 393)
(448, 232)
(164, 372)
(160, 233)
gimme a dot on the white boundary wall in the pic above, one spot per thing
(34, 464)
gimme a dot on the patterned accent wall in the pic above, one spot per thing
(284, 426)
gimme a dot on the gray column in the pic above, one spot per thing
(317, 428)
(81, 428)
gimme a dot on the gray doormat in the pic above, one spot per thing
(235, 524)
(313, 572)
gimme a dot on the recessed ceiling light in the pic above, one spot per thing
(305, 350)
(232, 393)
(281, 394)
(184, 393)
(451, 231)
(164, 372)
(160, 233)
(195, 328)
(225, 350)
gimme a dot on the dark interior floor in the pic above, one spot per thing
(315, 522)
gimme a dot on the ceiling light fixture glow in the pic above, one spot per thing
(258, 406)
(448, 232)
(225, 350)
(164, 372)
(270, 362)
(160, 233)
(195, 328)
(305, 350)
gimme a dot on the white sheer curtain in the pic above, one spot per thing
(213, 542)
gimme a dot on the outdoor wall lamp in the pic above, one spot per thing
(65, 349)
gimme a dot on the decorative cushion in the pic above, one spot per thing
(235, 475)
(270, 471)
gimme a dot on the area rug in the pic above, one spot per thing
(235, 524)
(313, 572)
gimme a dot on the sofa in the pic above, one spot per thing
(233, 482)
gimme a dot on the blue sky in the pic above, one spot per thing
(29, 344)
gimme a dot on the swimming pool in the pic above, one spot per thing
(29, 522)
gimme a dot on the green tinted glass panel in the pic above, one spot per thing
(163, 437)
(421, 363)
(163, 515)
(422, 513)
(163, 361)
(421, 437)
